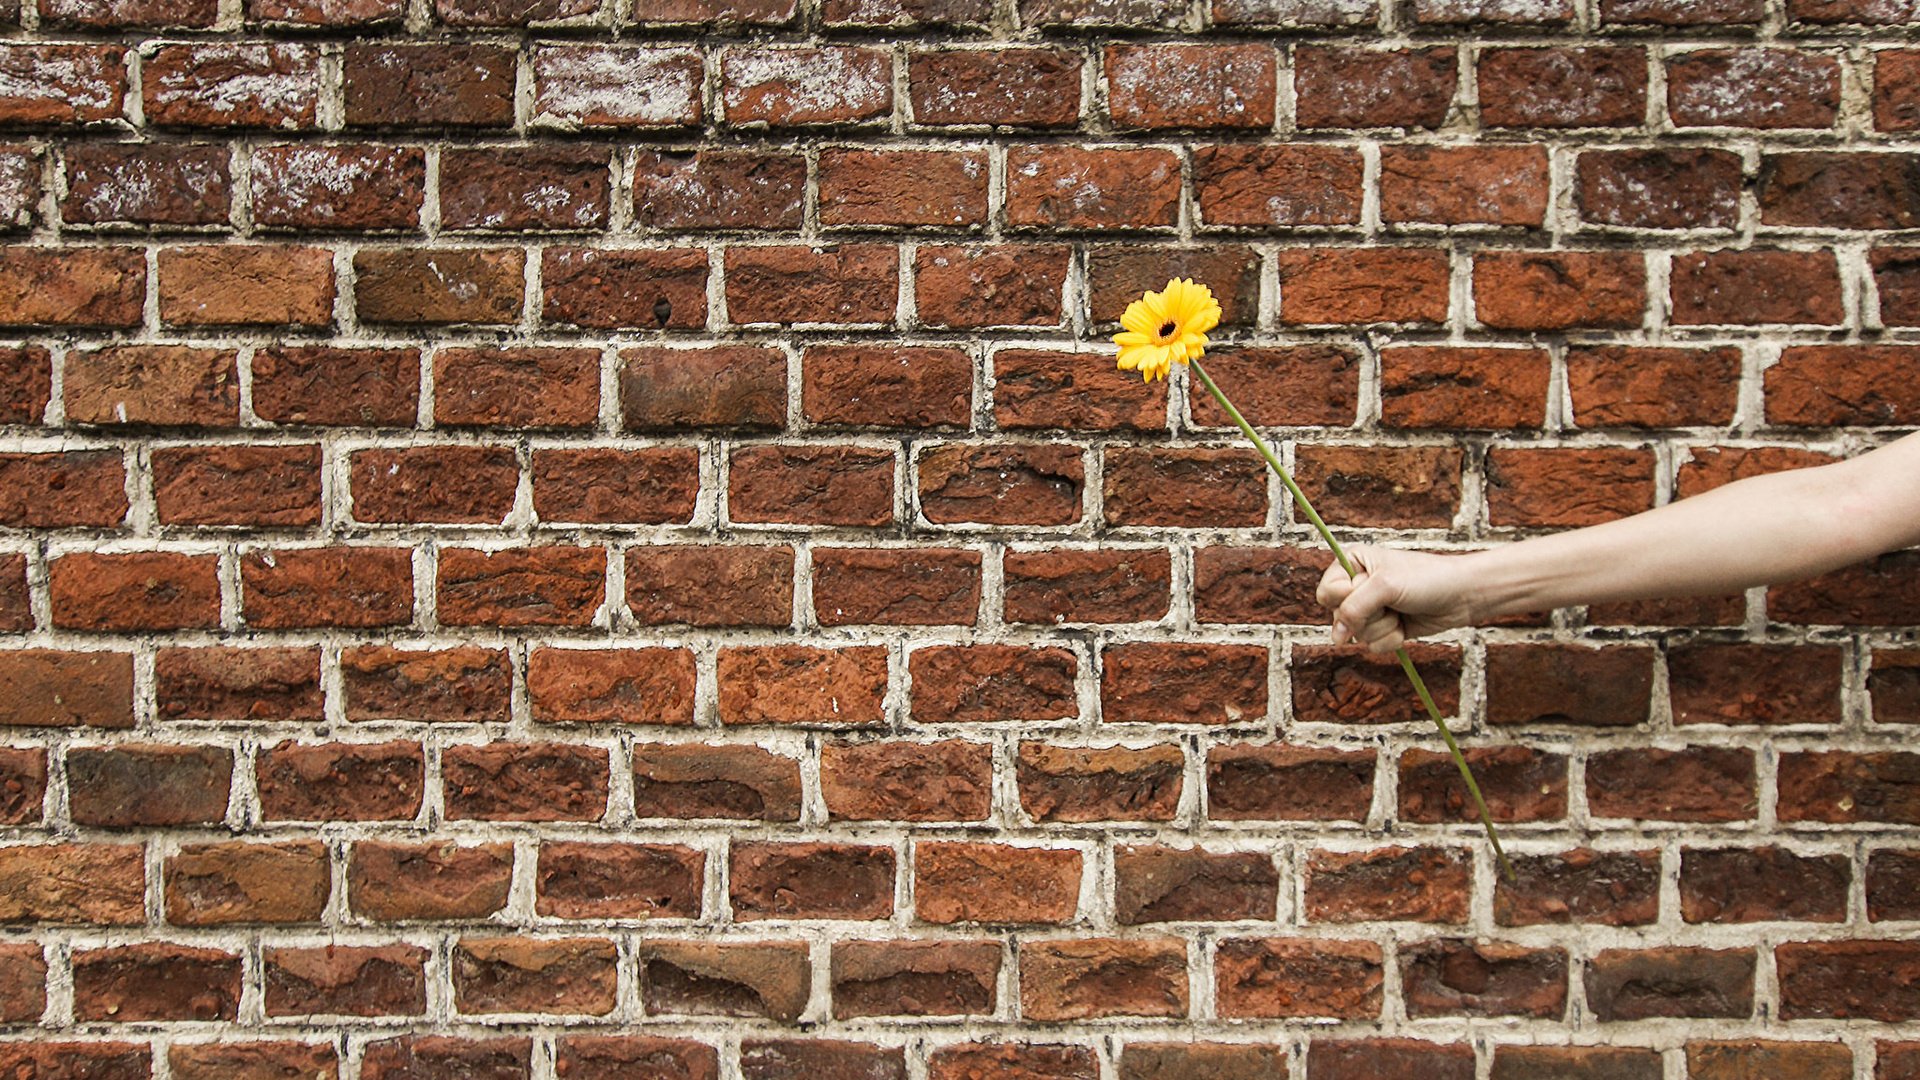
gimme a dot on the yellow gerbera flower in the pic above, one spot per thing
(1165, 326)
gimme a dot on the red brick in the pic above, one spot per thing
(1563, 88)
(149, 590)
(225, 85)
(1261, 978)
(844, 283)
(719, 189)
(995, 883)
(1190, 86)
(887, 386)
(1252, 782)
(648, 486)
(1738, 1059)
(1363, 285)
(1754, 684)
(1290, 386)
(1839, 787)
(1559, 290)
(1577, 685)
(505, 781)
(1454, 387)
(511, 12)
(441, 1057)
(1039, 389)
(737, 783)
(1862, 980)
(1301, 14)
(626, 686)
(1493, 12)
(1670, 188)
(1025, 87)
(903, 187)
(1753, 88)
(543, 187)
(1487, 185)
(219, 683)
(23, 983)
(465, 683)
(234, 285)
(900, 781)
(1711, 467)
(1457, 977)
(1012, 1061)
(1067, 585)
(992, 683)
(1388, 884)
(1640, 984)
(129, 14)
(1062, 187)
(155, 981)
(612, 289)
(26, 384)
(580, 880)
(16, 601)
(1117, 274)
(1392, 487)
(1840, 191)
(1073, 784)
(528, 975)
(131, 785)
(59, 490)
(634, 1055)
(970, 13)
(727, 386)
(521, 388)
(799, 684)
(1158, 683)
(1893, 681)
(423, 285)
(1567, 487)
(914, 978)
(1519, 783)
(710, 585)
(153, 385)
(23, 789)
(1699, 783)
(1896, 91)
(62, 84)
(225, 883)
(445, 84)
(615, 86)
(902, 587)
(1613, 888)
(1373, 1059)
(379, 980)
(1277, 185)
(1896, 272)
(237, 485)
(1869, 12)
(810, 881)
(434, 484)
(162, 184)
(1515, 1062)
(998, 285)
(1764, 884)
(1757, 286)
(94, 286)
(799, 1059)
(1891, 874)
(806, 86)
(320, 384)
(1257, 585)
(431, 880)
(1353, 87)
(1164, 14)
(811, 485)
(1348, 685)
(41, 687)
(1101, 977)
(341, 781)
(1682, 12)
(326, 12)
(1836, 385)
(749, 979)
(100, 884)
(1632, 386)
(339, 586)
(1163, 884)
(1186, 488)
(534, 586)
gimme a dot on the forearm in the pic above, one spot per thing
(1766, 529)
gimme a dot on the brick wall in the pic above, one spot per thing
(558, 538)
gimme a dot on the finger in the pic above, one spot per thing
(1390, 641)
(1379, 627)
(1334, 586)
(1371, 595)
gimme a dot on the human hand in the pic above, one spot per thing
(1394, 595)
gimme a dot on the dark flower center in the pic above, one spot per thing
(1167, 329)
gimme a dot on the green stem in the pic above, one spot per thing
(1406, 662)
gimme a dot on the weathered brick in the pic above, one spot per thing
(959, 882)
(390, 881)
(1362, 285)
(543, 187)
(990, 285)
(62, 84)
(1569, 684)
(145, 185)
(1563, 88)
(862, 187)
(1185, 488)
(1519, 784)
(1146, 682)
(1471, 185)
(93, 286)
(1348, 685)
(1761, 884)
(86, 488)
(702, 585)
(582, 880)
(707, 978)
(992, 683)
(615, 86)
(1753, 88)
(800, 684)
(1839, 191)
(1035, 389)
(845, 283)
(1696, 784)
(1191, 86)
(1068, 585)
(341, 781)
(1388, 884)
(151, 590)
(608, 1055)
(323, 385)
(519, 388)
(340, 586)
(255, 1057)
(627, 686)
(1388, 487)
(728, 386)
(23, 789)
(326, 12)
(648, 486)
(376, 980)
(810, 881)
(1252, 782)
(910, 587)
(1638, 984)
(424, 286)
(101, 884)
(608, 288)
(1072, 784)
(434, 484)
(1436, 386)
(798, 87)
(155, 981)
(901, 781)
(1098, 977)
(1846, 980)
(1754, 684)
(1292, 977)
(444, 1057)
(445, 84)
(719, 189)
(1456, 977)
(1517, 1062)
(800, 1059)
(1734, 1059)
(153, 386)
(237, 485)
(1667, 188)
(1559, 290)
(53, 687)
(1842, 787)
(1354, 88)
(1567, 487)
(1378, 1059)
(1163, 884)
(1026, 87)
(1896, 96)
(818, 485)
(529, 975)
(914, 978)
(1071, 188)
(525, 782)
(222, 85)
(740, 783)
(233, 285)
(225, 883)
(1012, 1061)
(219, 683)
(129, 14)
(1634, 386)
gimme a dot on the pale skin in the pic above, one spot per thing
(1763, 530)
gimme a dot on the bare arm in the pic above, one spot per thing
(1762, 530)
